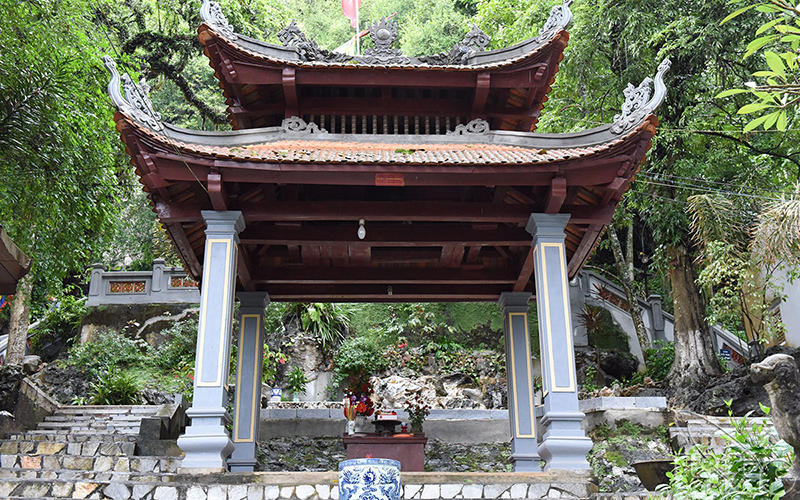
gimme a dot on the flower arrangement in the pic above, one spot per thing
(359, 402)
(417, 410)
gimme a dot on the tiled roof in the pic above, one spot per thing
(354, 152)
(414, 63)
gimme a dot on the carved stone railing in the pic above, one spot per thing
(162, 285)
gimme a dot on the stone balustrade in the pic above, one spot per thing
(162, 285)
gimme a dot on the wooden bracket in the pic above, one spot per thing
(290, 92)
(556, 195)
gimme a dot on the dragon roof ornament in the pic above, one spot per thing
(212, 14)
(475, 127)
(560, 18)
(638, 103)
(136, 101)
(474, 41)
(308, 50)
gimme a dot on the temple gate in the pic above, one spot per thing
(434, 157)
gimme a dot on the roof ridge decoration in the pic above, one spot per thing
(212, 14)
(308, 50)
(638, 103)
(136, 102)
(474, 127)
(383, 33)
(296, 124)
(474, 41)
(560, 18)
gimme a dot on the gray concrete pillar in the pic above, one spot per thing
(564, 444)
(206, 442)
(249, 363)
(519, 373)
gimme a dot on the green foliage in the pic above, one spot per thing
(62, 320)
(659, 361)
(601, 330)
(777, 40)
(115, 388)
(272, 359)
(180, 347)
(60, 164)
(358, 358)
(108, 352)
(297, 381)
(328, 322)
(750, 468)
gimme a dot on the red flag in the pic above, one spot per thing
(350, 9)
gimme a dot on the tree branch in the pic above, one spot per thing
(753, 148)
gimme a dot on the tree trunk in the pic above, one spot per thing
(18, 323)
(626, 276)
(695, 360)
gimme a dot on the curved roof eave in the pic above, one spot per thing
(637, 111)
(215, 23)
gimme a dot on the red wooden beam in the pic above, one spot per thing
(414, 211)
(380, 293)
(382, 276)
(525, 272)
(556, 195)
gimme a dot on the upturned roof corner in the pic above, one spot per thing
(136, 101)
(638, 103)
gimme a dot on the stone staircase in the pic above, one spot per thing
(84, 452)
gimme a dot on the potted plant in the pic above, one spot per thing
(297, 382)
(417, 410)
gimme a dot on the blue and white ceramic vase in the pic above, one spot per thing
(369, 479)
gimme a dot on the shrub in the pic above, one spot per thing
(179, 349)
(750, 468)
(109, 351)
(61, 321)
(115, 388)
(358, 358)
(659, 359)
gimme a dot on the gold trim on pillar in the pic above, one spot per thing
(528, 369)
(567, 325)
(224, 314)
(256, 382)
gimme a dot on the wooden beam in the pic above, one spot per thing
(381, 276)
(380, 293)
(185, 250)
(243, 270)
(414, 211)
(481, 93)
(217, 192)
(525, 272)
(556, 195)
(584, 249)
(290, 92)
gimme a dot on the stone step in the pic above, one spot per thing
(60, 488)
(94, 418)
(94, 409)
(89, 424)
(86, 475)
(91, 463)
(88, 448)
(65, 436)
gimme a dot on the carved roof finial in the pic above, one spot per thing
(136, 102)
(212, 14)
(383, 34)
(638, 103)
(560, 18)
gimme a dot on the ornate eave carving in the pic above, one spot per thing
(211, 13)
(560, 18)
(383, 33)
(295, 124)
(474, 127)
(474, 41)
(136, 101)
(638, 103)
(308, 50)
